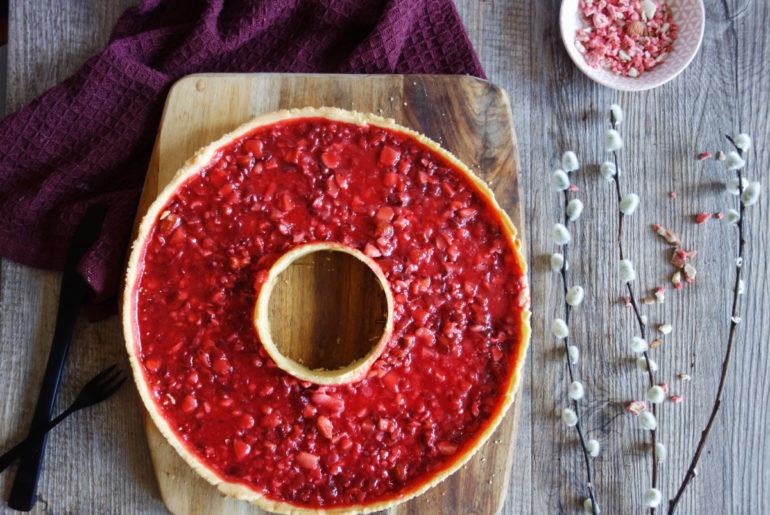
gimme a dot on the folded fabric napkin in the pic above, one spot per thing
(89, 138)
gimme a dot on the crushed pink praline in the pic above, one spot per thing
(611, 39)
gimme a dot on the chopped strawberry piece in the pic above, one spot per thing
(390, 380)
(153, 364)
(384, 214)
(332, 188)
(307, 460)
(331, 159)
(467, 212)
(389, 155)
(218, 177)
(446, 448)
(420, 316)
(254, 146)
(272, 420)
(372, 251)
(287, 203)
(390, 179)
(325, 426)
(246, 421)
(425, 335)
(189, 403)
(221, 366)
(323, 400)
(240, 448)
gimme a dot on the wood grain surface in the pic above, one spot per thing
(98, 462)
(327, 310)
(468, 116)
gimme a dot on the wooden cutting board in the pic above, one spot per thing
(470, 117)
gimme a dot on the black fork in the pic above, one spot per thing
(102, 386)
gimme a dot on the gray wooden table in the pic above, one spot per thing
(98, 462)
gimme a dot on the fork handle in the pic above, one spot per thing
(71, 297)
(13, 454)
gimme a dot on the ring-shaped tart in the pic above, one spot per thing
(456, 278)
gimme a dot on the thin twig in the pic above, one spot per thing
(640, 322)
(730, 341)
(672, 504)
(578, 426)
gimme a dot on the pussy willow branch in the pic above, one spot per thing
(730, 341)
(578, 426)
(640, 322)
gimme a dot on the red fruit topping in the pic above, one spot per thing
(325, 427)
(420, 316)
(390, 380)
(221, 366)
(241, 449)
(447, 448)
(389, 155)
(390, 179)
(330, 159)
(372, 251)
(246, 421)
(456, 283)
(287, 204)
(467, 212)
(153, 364)
(272, 420)
(384, 214)
(307, 460)
(425, 336)
(334, 404)
(189, 403)
(254, 147)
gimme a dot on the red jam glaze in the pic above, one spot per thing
(458, 292)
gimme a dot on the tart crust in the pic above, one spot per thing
(130, 325)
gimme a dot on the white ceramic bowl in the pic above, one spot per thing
(689, 15)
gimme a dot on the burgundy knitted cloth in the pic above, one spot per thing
(89, 138)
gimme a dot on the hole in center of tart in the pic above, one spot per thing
(327, 309)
